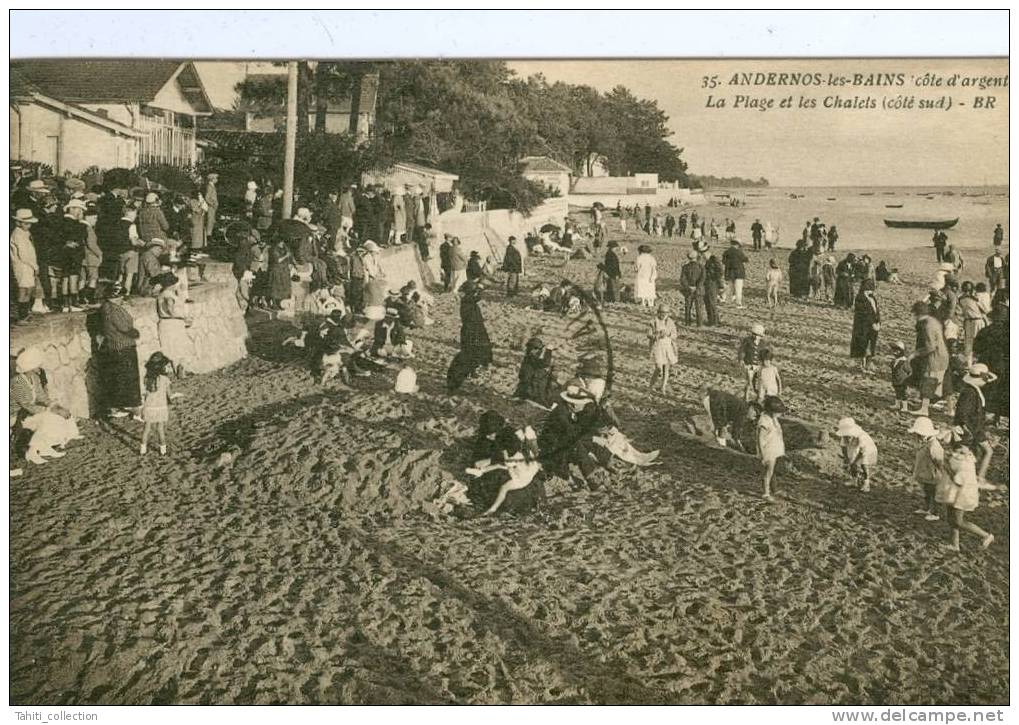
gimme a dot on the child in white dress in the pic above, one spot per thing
(662, 335)
(156, 401)
(770, 441)
(774, 279)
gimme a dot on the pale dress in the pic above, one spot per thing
(961, 491)
(644, 286)
(663, 342)
(770, 443)
(156, 405)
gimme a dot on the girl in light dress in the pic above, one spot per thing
(774, 279)
(645, 284)
(770, 441)
(663, 345)
(767, 380)
(156, 401)
(960, 489)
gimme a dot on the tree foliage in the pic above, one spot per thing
(477, 119)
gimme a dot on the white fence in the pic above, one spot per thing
(166, 144)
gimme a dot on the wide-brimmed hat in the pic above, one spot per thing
(848, 428)
(75, 204)
(924, 427)
(691, 255)
(151, 198)
(700, 246)
(28, 359)
(898, 346)
(252, 185)
(757, 329)
(74, 184)
(574, 392)
(25, 216)
(979, 374)
(37, 185)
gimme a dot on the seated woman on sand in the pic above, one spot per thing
(52, 426)
(536, 382)
(504, 462)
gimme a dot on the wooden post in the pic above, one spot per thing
(288, 161)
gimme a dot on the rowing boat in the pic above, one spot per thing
(921, 223)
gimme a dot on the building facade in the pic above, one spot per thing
(155, 103)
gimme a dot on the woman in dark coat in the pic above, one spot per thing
(474, 270)
(119, 379)
(280, 262)
(799, 270)
(612, 272)
(713, 285)
(475, 346)
(866, 326)
(496, 439)
(991, 348)
(535, 381)
(844, 281)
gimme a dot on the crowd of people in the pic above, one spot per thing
(355, 325)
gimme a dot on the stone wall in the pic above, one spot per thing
(217, 338)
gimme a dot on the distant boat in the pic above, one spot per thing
(866, 193)
(893, 206)
(921, 223)
(888, 193)
(832, 198)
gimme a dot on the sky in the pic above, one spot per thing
(797, 147)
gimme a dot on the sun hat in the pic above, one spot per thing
(151, 198)
(252, 186)
(848, 428)
(898, 346)
(37, 185)
(304, 214)
(924, 427)
(979, 374)
(25, 216)
(28, 359)
(74, 184)
(691, 255)
(575, 392)
(75, 204)
(757, 329)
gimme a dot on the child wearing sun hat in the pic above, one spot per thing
(859, 452)
(928, 464)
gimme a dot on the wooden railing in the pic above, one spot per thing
(166, 144)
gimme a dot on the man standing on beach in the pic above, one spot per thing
(691, 284)
(940, 239)
(734, 262)
(999, 235)
(994, 270)
(757, 234)
(930, 359)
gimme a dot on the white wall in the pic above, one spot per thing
(80, 144)
(125, 113)
(171, 99)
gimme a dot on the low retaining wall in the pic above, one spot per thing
(217, 338)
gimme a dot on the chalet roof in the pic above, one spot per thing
(22, 90)
(543, 163)
(113, 81)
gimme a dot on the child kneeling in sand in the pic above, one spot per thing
(770, 442)
(859, 452)
(960, 490)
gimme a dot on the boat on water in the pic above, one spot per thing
(866, 193)
(832, 198)
(921, 223)
(888, 193)
(893, 206)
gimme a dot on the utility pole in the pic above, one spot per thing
(291, 149)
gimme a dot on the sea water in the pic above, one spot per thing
(859, 213)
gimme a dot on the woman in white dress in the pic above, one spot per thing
(646, 266)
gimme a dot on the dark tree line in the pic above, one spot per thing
(477, 119)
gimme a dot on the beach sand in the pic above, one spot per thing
(286, 551)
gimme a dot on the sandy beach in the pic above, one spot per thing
(286, 550)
